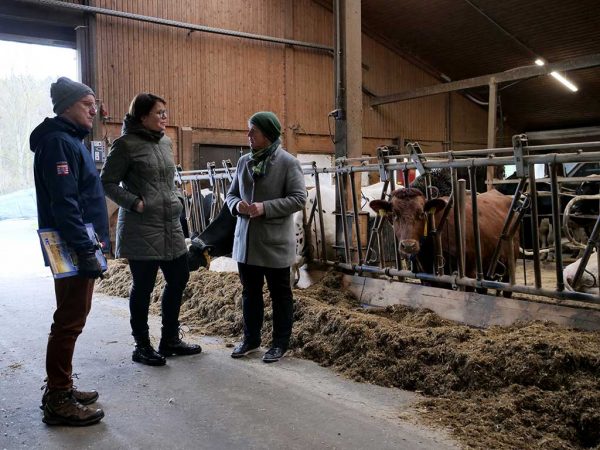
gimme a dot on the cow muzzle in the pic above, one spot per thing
(409, 247)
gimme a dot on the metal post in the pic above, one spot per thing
(462, 196)
(505, 229)
(475, 219)
(341, 191)
(560, 283)
(491, 139)
(589, 248)
(320, 209)
(356, 221)
(537, 271)
(457, 228)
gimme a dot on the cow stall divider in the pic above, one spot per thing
(371, 257)
(354, 259)
(203, 192)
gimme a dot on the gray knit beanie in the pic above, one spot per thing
(65, 92)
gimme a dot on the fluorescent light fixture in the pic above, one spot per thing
(558, 76)
(564, 81)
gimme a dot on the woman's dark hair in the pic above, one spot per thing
(142, 104)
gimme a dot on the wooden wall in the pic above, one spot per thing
(213, 83)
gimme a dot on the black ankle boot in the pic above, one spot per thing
(173, 345)
(145, 354)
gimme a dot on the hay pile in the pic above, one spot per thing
(533, 385)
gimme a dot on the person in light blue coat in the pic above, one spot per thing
(267, 190)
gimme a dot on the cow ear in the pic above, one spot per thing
(434, 205)
(382, 207)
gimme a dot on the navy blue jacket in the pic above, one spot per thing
(67, 185)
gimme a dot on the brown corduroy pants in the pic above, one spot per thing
(73, 304)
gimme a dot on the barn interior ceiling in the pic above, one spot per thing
(459, 39)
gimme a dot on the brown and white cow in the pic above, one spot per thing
(407, 211)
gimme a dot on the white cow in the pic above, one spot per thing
(308, 242)
(589, 280)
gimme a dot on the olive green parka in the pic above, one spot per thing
(140, 165)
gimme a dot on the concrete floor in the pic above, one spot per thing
(207, 401)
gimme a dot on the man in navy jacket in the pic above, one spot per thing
(69, 195)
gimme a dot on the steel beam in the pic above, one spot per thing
(518, 73)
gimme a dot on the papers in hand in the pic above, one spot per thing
(61, 258)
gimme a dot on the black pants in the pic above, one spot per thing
(278, 282)
(176, 275)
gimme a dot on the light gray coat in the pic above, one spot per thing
(269, 240)
(141, 166)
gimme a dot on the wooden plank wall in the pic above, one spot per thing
(213, 83)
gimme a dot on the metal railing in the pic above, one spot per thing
(352, 253)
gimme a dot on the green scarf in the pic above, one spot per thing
(261, 158)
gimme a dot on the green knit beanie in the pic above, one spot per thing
(268, 123)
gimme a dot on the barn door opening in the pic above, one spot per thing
(25, 77)
(37, 45)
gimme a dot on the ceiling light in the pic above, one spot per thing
(558, 76)
(564, 81)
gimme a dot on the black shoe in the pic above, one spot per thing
(274, 354)
(243, 349)
(175, 346)
(145, 354)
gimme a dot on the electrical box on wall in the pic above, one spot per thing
(98, 152)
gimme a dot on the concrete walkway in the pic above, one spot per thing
(209, 401)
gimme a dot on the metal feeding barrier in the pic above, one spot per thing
(352, 257)
(204, 193)
(378, 253)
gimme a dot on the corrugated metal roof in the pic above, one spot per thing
(456, 39)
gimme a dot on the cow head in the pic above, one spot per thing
(407, 211)
(198, 254)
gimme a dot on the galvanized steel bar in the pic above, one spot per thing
(473, 162)
(591, 245)
(320, 209)
(560, 284)
(475, 221)
(535, 238)
(462, 195)
(505, 229)
(457, 225)
(341, 189)
(467, 282)
(177, 24)
(356, 219)
(518, 73)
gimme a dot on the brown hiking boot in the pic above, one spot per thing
(83, 397)
(62, 409)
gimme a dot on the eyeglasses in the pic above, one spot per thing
(163, 113)
(90, 105)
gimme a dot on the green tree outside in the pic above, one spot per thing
(24, 103)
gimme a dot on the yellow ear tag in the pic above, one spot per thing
(207, 257)
(431, 212)
(383, 212)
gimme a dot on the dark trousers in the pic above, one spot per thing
(176, 275)
(73, 304)
(278, 282)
